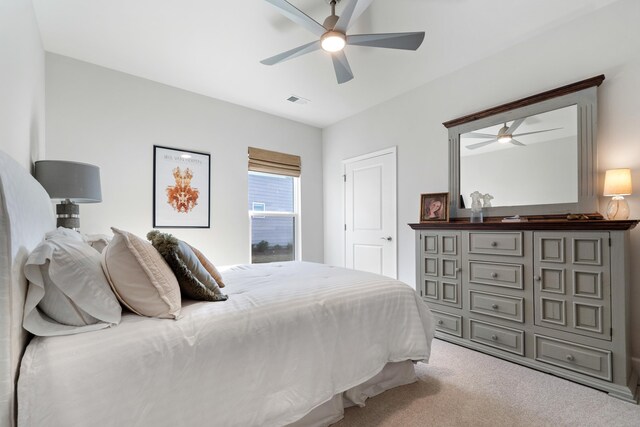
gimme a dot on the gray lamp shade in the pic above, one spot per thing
(74, 181)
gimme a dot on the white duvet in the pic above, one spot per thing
(290, 337)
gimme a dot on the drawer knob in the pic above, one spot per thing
(494, 244)
(494, 275)
(494, 306)
(537, 278)
(458, 269)
(494, 338)
(570, 358)
(440, 322)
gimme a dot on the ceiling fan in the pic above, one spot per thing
(505, 135)
(333, 36)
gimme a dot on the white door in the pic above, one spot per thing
(370, 213)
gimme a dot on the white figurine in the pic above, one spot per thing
(476, 207)
(486, 200)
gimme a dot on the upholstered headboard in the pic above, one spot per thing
(26, 214)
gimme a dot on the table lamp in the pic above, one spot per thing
(72, 183)
(617, 183)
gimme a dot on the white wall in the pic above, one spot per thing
(21, 83)
(112, 120)
(605, 42)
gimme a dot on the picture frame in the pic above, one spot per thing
(181, 188)
(434, 207)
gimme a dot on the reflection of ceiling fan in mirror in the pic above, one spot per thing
(505, 135)
(332, 35)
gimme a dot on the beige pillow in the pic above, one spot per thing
(211, 269)
(140, 277)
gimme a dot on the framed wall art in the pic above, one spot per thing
(434, 207)
(181, 188)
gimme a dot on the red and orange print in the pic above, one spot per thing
(182, 197)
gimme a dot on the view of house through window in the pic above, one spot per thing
(272, 208)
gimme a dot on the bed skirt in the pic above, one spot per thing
(393, 374)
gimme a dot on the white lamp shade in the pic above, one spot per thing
(617, 182)
(78, 182)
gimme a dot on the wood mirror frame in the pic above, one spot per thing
(583, 94)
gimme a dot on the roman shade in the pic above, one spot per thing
(273, 162)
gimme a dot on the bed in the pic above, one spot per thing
(294, 344)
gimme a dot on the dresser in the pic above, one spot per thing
(549, 294)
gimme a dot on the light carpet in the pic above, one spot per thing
(462, 387)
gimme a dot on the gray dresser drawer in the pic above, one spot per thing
(449, 323)
(586, 360)
(511, 340)
(496, 274)
(496, 305)
(509, 244)
(546, 294)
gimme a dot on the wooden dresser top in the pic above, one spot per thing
(537, 224)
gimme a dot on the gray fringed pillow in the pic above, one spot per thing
(194, 280)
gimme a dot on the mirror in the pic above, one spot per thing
(537, 157)
(534, 156)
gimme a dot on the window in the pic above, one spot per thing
(274, 218)
(273, 205)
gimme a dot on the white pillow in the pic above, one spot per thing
(140, 277)
(64, 232)
(68, 292)
(97, 241)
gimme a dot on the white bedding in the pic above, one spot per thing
(290, 337)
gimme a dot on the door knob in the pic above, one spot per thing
(388, 238)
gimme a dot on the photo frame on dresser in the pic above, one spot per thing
(434, 207)
(181, 188)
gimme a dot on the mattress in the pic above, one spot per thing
(290, 337)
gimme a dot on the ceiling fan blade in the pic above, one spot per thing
(293, 53)
(341, 66)
(299, 17)
(350, 13)
(516, 142)
(407, 41)
(538, 131)
(515, 125)
(481, 144)
(478, 135)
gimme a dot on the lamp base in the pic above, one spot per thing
(618, 208)
(68, 214)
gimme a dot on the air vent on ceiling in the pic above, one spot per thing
(298, 100)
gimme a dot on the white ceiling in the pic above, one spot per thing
(214, 47)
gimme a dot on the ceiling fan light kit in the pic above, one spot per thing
(503, 135)
(332, 35)
(333, 41)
